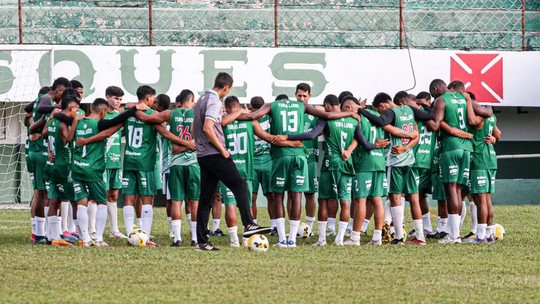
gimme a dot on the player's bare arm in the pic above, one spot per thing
(274, 139)
(98, 137)
(229, 118)
(397, 132)
(155, 117)
(438, 109)
(264, 110)
(410, 145)
(71, 134)
(472, 118)
(455, 131)
(326, 115)
(345, 154)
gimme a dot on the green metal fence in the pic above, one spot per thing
(436, 24)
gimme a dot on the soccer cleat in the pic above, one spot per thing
(117, 235)
(319, 244)
(274, 232)
(375, 242)
(177, 244)
(93, 235)
(448, 240)
(477, 241)
(40, 240)
(397, 242)
(411, 233)
(291, 244)
(469, 237)
(386, 237)
(416, 241)
(69, 239)
(351, 242)
(67, 233)
(255, 229)
(330, 232)
(490, 239)
(32, 238)
(281, 244)
(217, 232)
(150, 243)
(75, 234)
(235, 244)
(206, 247)
(60, 242)
(193, 243)
(101, 244)
(338, 243)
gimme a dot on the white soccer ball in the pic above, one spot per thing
(303, 231)
(499, 232)
(257, 243)
(138, 238)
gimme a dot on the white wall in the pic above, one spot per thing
(519, 126)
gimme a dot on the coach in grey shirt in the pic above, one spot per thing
(216, 162)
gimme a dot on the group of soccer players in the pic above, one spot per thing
(404, 148)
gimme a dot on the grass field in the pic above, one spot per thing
(507, 271)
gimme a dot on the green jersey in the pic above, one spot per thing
(262, 147)
(88, 161)
(181, 126)
(404, 120)
(59, 170)
(141, 145)
(40, 144)
(113, 150)
(338, 136)
(484, 156)
(311, 146)
(455, 115)
(372, 160)
(80, 112)
(239, 140)
(423, 150)
(435, 156)
(287, 117)
(165, 148)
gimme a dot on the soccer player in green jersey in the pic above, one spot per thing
(262, 163)
(451, 107)
(113, 161)
(58, 167)
(88, 167)
(337, 171)
(240, 141)
(140, 158)
(400, 160)
(369, 183)
(303, 94)
(289, 166)
(38, 152)
(483, 169)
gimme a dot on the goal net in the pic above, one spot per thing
(23, 71)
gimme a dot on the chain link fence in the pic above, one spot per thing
(436, 24)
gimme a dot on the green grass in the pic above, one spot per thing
(507, 271)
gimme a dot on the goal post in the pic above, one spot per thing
(23, 71)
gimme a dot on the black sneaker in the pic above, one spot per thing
(441, 235)
(255, 229)
(206, 247)
(397, 242)
(218, 232)
(176, 244)
(274, 232)
(193, 243)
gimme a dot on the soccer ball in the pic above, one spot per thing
(499, 232)
(303, 231)
(138, 238)
(257, 243)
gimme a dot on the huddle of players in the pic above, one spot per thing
(78, 172)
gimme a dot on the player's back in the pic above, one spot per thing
(181, 126)
(113, 149)
(88, 163)
(455, 115)
(141, 144)
(262, 147)
(239, 140)
(59, 169)
(287, 117)
(424, 149)
(484, 156)
(404, 120)
(338, 135)
(369, 160)
(40, 144)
